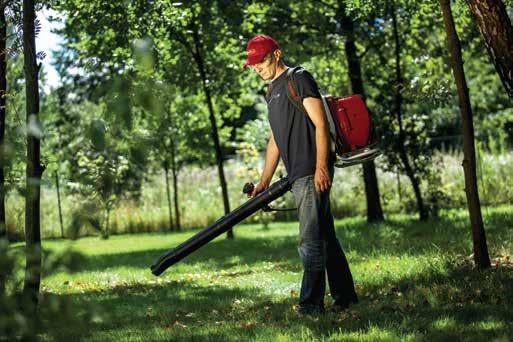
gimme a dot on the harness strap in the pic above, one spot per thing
(292, 92)
(294, 97)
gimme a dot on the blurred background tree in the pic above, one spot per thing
(131, 109)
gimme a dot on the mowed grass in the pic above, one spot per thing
(414, 280)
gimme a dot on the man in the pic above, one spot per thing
(303, 143)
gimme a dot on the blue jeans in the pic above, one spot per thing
(320, 250)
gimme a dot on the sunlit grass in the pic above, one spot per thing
(414, 280)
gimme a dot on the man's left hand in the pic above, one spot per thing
(322, 179)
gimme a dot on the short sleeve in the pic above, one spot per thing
(306, 85)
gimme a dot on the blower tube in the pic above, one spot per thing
(276, 190)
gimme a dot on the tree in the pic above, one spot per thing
(8, 12)
(181, 33)
(481, 256)
(3, 91)
(168, 130)
(168, 141)
(174, 170)
(401, 139)
(195, 47)
(495, 26)
(173, 133)
(198, 58)
(53, 106)
(374, 210)
(34, 169)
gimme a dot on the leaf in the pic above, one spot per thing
(96, 134)
(180, 325)
(41, 55)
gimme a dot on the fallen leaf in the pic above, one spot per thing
(178, 324)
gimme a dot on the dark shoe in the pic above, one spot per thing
(310, 310)
(335, 308)
(341, 306)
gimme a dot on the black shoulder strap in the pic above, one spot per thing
(292, 92)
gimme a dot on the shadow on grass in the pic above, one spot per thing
(448, 303)
(458, 304)
(462, 303)
(132, 310)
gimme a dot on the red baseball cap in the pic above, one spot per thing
(258, 47)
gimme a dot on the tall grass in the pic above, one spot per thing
(201, 201)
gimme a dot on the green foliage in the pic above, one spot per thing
(102, 164)
(312, 36)
(16, 323)
(12, 320)
(132, 98)
(437, 193)
(15, 145)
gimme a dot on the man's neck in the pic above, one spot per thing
(280, 69)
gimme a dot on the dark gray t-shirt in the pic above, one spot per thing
(293, 130)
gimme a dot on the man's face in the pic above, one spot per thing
(266, 69)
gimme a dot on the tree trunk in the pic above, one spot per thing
(166, 171)
(219, 154)
(399, 192)
(481, 257)
(106, 231)
(34, 169)
(374, 210)
(59, 202)
(174, 171)
(494, 24)
(3, 89)
(423, 215)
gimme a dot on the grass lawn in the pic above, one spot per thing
(414, 280)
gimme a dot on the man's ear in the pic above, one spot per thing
(277, 54)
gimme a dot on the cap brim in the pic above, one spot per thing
(253, 60)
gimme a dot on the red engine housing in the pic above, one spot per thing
(354, 126)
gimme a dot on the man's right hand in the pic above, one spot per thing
(261, 186)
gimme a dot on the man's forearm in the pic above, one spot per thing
(322, 145)
(272, 157)
(315, 111)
